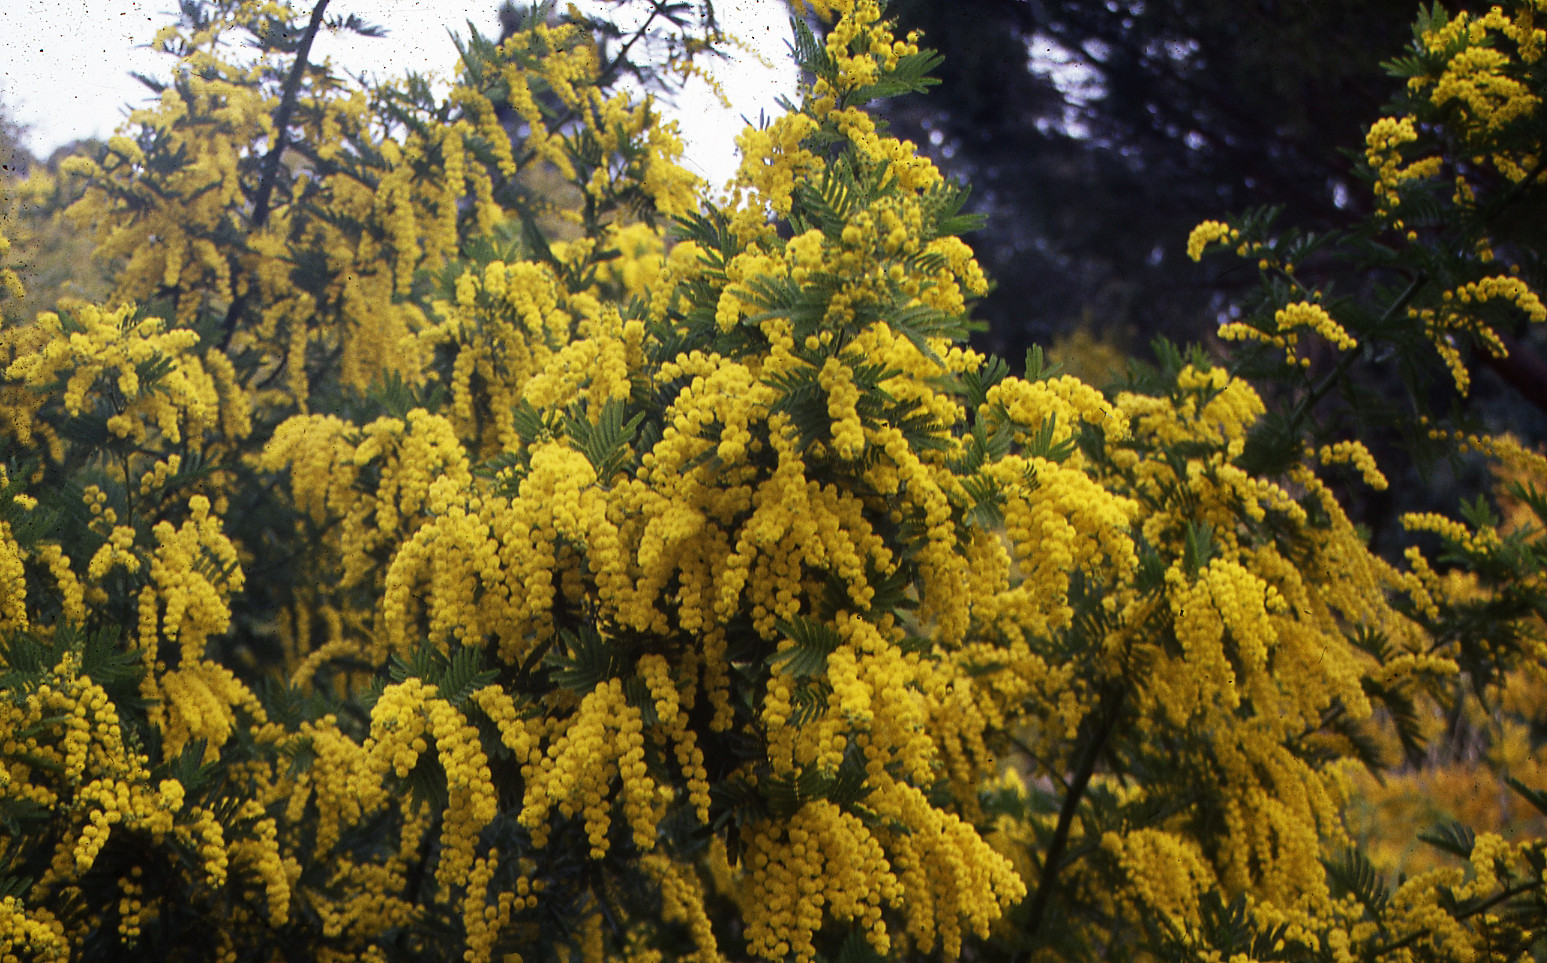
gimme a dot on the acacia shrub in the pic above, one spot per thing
(678, 585)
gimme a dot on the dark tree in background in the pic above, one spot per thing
(1096, 133)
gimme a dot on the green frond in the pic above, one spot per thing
(582, 660)
(814, 642)
(1451, 837)
(1037, 368)
(1351, 873)
(606, 443)
(1199, 547)
(810, 53)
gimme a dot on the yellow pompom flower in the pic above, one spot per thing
(1209, 232)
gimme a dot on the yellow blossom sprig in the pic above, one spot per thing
(136, 375)
(1463, 311)
(1354, 453)
(1208, 233)
(1289, 322)
(72, 769)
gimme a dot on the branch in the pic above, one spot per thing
(260, 204)
(607, 74)
(1508, 893)
(1111, 708)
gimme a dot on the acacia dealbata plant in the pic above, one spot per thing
(409, 563)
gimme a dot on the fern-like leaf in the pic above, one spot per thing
(582, 661)
(605, 444)
(1452, 837)
(808, 656)
(1351, 872)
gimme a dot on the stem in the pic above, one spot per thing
(1111, 708)
(260, 204)
(1346, 362)
(607, 74)
(1029, 754)
(260, 212)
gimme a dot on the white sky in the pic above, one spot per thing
(65, 64)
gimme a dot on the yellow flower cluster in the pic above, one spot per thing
(1212, 405)
(824, 856)
(13, 582)
(682, 901)
(174, 248)
(404, 720)
(560, 57)
(565, 62)
(1288, 322)
(1451, 531)
(1460, 314)
(1384, 142)
(1209, 232)
(1352, 452)
(641, 258)
(199, 702)
(193, 574)
(848, 437)
(67, 752)
(1166, 875)
(1225, 597)
(1479, 89)
(9, 282)
(98, 355)
(657, 677)
(33, 931)
(1502, 288)
(772, 159)
(1475, 76)
(602, 742)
